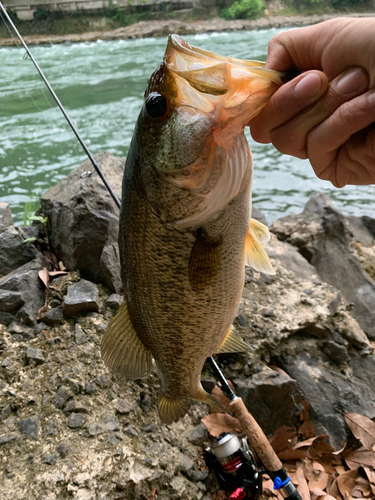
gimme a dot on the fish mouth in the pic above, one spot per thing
(215, 76)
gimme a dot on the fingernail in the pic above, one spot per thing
(308, 86)
(353, 80)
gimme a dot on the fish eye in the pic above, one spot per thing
(156, 105)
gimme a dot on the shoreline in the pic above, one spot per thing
(146, 29)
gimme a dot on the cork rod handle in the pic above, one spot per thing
(256, 436)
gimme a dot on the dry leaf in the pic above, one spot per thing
(302, 487)
(293, 454)
(152, 495)
(217, 423)
(283, 439)
(307, 429)
(218, 394)
(362, 427)
(370, 474)
(57, 273)
(346, 482)
(319, 480)
(44, 276)
(361, 458)
(309, 442)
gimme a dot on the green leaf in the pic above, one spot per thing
(29, 240)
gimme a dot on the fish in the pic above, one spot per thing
(186, 231)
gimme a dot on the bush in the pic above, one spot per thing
(243, 9)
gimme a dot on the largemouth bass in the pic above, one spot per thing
(185, 225)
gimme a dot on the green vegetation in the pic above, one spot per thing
(243, 9)
(31, 206)
(324, 6)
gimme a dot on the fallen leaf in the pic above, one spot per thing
(152, 495)
(361, 458)
(44, 276)
(41, 311)
(283, 439)
(319, 480)
(218, 394)
(293, 454)
(333, 490)
(217, 423)
(347, 481)
(309, 442)
(302, 487)
(362, 427)
(56, 273)
(370, 474)
(307, 429)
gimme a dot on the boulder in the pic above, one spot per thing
(13, 251)
(6, 218)
(326, 238)
(81, 297)
(22, 293)
(82, 220)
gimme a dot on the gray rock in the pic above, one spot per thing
(63, 450)
(149, 428)
(197, 436)
(8, 438)
(114, 301)
(28, 427)
(198, 475)
(50, 429)
(13, 251)
(76, 407)
(10, 300)
(91, 388)
(6, 218)
(272, 396)
(34, 355)
(82, 217)
(110, 267)
(185, 462)
(81, 297)
(76, 420)
(24, 282)
(79, 336)
(107, 424)
(62, 396)
(337, 353)
(130, 431)
(323, 236)
(54, 316)
(50, 460)
(103, 381)
(258, 215)
(122, 406)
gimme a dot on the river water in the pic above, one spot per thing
(101, 85)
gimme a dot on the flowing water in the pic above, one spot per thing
(101, 85)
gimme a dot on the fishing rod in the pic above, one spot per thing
(81, 141)
(251, 428)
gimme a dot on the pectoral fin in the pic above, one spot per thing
(122, 350)
(171, 410)
(204, 262)
(256, 256)
(260, 230)
(233, 343)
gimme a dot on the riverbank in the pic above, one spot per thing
(145, 29)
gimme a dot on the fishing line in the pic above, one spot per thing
(76, 133)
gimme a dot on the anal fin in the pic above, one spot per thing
(233, 343)
(171, 410)
(122, 350)
(256, 256)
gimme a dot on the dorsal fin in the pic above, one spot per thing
(122, 350)
(233, 343)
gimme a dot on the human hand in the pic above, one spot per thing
(328, 113)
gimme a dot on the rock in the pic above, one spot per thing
(197, 436)
(290, 258)
(122, 406)
(337, 353)
(79, 336)
(8, 438)
(272, 396)
(114, 301)
(91, 388)
(54, 316)
(82, 217)
(13, 251)
(108, 423)
(110, 267)
(23, 282)
(6, 218)
(149, 428)
(28, 427)
(323, 236)
(76, 420)
(103, 381)
(81, 297)
(258, 215)
(63, 450)
(62, 396)
(76, 407)
(10, 300)
(50, 460)
(130, 431)
(50, 429)
(185, 463)
(34, 355)
(198, 475)
(328, 390)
